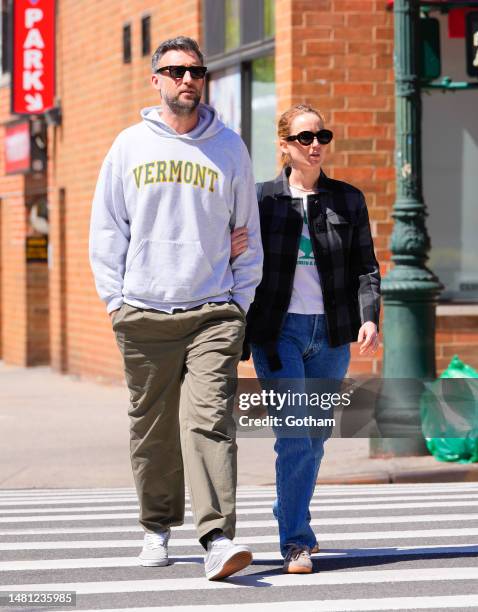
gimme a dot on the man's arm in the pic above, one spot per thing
(247, 267)
(109, 236)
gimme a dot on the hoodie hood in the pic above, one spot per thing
(208, 125)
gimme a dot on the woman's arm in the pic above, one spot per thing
(368, 273)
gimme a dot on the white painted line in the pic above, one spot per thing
(259, 558)
(284, 580)
(323, 492)
(66, 491)
(387, 489)
(251, 500)
(59, 501)
(32, 493)
(72, 530)
(66, 510)
(69, 517)
(317, 505)
(61, 514)
(332, 537)
(253, 488)
(354, 520)
(327, 605)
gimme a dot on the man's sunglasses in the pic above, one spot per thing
(177, 72)
(307, 138)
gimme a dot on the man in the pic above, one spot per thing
(170, 191)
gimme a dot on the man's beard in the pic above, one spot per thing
(182, 107)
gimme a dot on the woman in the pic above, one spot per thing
(320, 291)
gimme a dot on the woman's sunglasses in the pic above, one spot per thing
(177, 72)
(307, 138)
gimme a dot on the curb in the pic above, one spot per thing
(465, 473)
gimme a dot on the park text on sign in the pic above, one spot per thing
(33, 88)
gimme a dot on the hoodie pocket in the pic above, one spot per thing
(168, 270)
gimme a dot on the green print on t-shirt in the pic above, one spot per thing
(306, 253)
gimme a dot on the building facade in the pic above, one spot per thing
(263, 56)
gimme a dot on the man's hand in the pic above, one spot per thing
(112, 313)
(368, 338)
(238, 241)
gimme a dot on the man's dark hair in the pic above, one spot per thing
(180, 43)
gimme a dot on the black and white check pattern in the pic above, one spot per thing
(343, 248)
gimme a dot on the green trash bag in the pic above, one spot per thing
(449, 414)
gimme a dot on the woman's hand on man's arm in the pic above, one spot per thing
(238, 241)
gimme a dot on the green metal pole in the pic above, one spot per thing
(410, 290)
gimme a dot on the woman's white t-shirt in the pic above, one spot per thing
(306, 292)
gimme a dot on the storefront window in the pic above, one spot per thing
(4, 38)
(225, 96)
(245, 99)
(239, 45)
(232, 24)
(263, 118)
(269, 18)
(450, 180)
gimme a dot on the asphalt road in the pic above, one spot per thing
(383, 547)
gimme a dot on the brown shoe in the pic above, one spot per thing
(297, 560)
(315, 549)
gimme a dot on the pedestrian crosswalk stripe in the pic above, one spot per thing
(332, 490)
(321, 497)
(70, 517)
(447, 537)
(34, 492)
(358, 535)
(431, 574)
(100, 513)
(70, 509)
(73, 489)
(259, 557)
(61, 501)
(327, 605)
(348, 520)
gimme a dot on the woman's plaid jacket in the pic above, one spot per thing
(344, 254)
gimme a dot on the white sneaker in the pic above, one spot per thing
(155, 549)
(224, 558)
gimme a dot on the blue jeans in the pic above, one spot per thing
(305, 353)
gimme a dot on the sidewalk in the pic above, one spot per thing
(58, 431)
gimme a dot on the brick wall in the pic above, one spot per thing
(23, 289)
(1, 281)
(36, 285)
(457, 335)
(100, 96)
(38, 339)
(12, 251)
(14, 314)
(337, 55)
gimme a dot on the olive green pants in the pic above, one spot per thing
(181, 372)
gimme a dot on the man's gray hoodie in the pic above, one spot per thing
(164, 207)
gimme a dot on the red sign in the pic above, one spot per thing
(33, 87)
(17, 147)
(456, 22)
